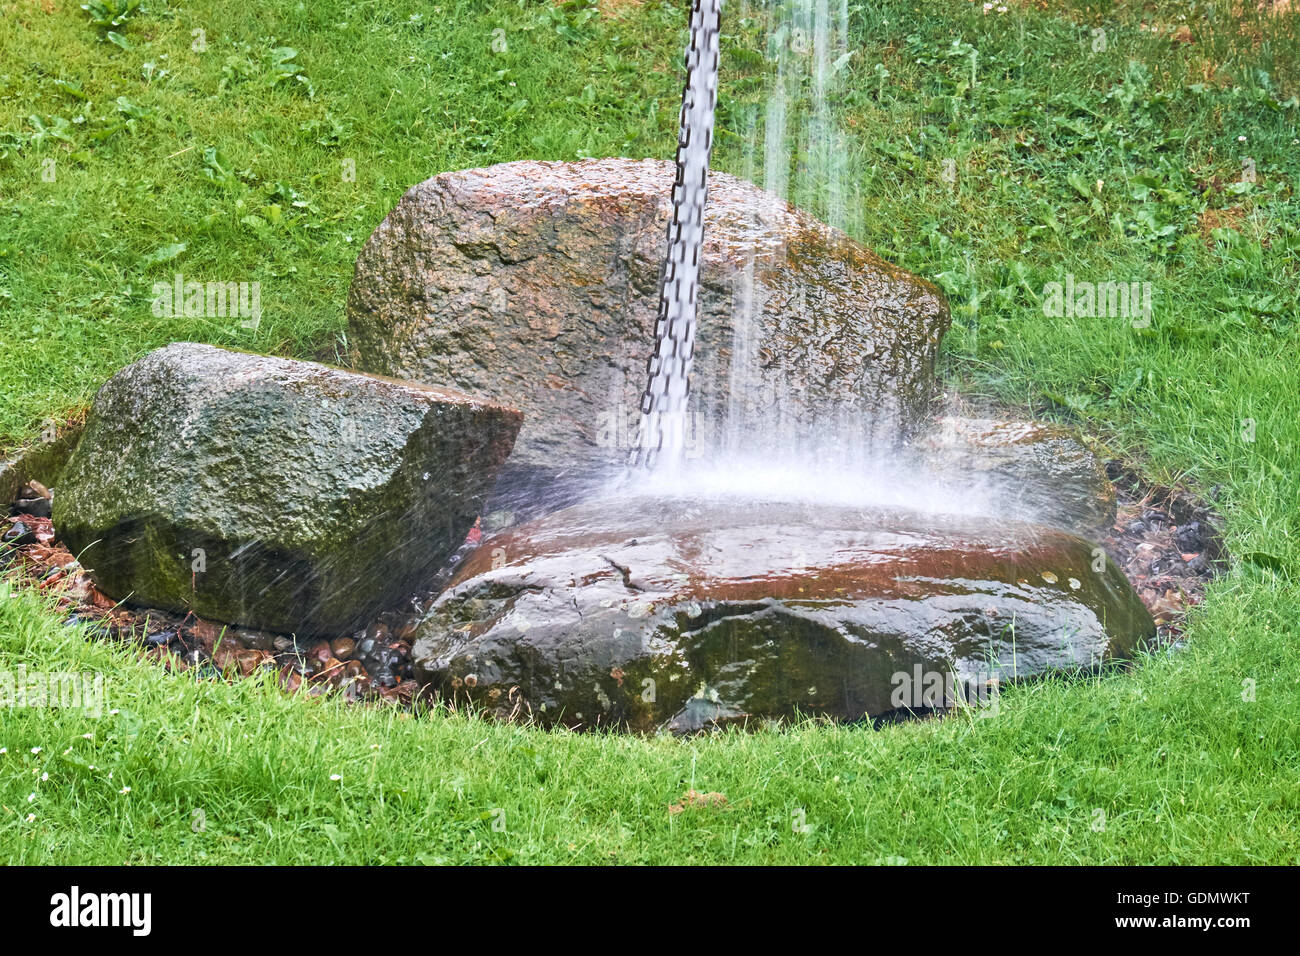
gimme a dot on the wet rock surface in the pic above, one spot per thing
(1030, 470)
(683, 614)
(1152, 526)
(537, 284)
(272, 494)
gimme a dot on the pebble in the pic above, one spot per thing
(35, 490)
(260, 640)
(318, 654)
(331, 669)
(251, 660)
(290, 680)
(18, 535)
(343, 648)
(159, 638)
(1190, 537)
(385, 664)
(36, 507)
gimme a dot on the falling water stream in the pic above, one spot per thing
(793, 145)
(758, 442)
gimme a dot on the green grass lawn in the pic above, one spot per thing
(271, 153)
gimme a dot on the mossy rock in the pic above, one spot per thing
(268, 493)
(41, 461)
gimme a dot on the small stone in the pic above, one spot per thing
(257, 640)
(226, 655)
(36, 507)
(331, 669)
(37, 490)
(343, 648)
(232, 640)
(318, 652)
(1190, 537)
(290, 680)
(18, 535)
(251, 660)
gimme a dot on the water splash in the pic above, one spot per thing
(758, 445)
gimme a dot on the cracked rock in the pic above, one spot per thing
(763, 610)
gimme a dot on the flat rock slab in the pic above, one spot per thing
(678, 614)
(537, 284)
(268, 493)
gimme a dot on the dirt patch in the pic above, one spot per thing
(1212, 219)
(693, 799)
(617, 8)
(1168, 543)
(372, 664)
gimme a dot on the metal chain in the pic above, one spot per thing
(668, 371)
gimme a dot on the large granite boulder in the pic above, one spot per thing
(274, 494)
(652, 613)
(537, 284)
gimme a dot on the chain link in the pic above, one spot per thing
(668, 371)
